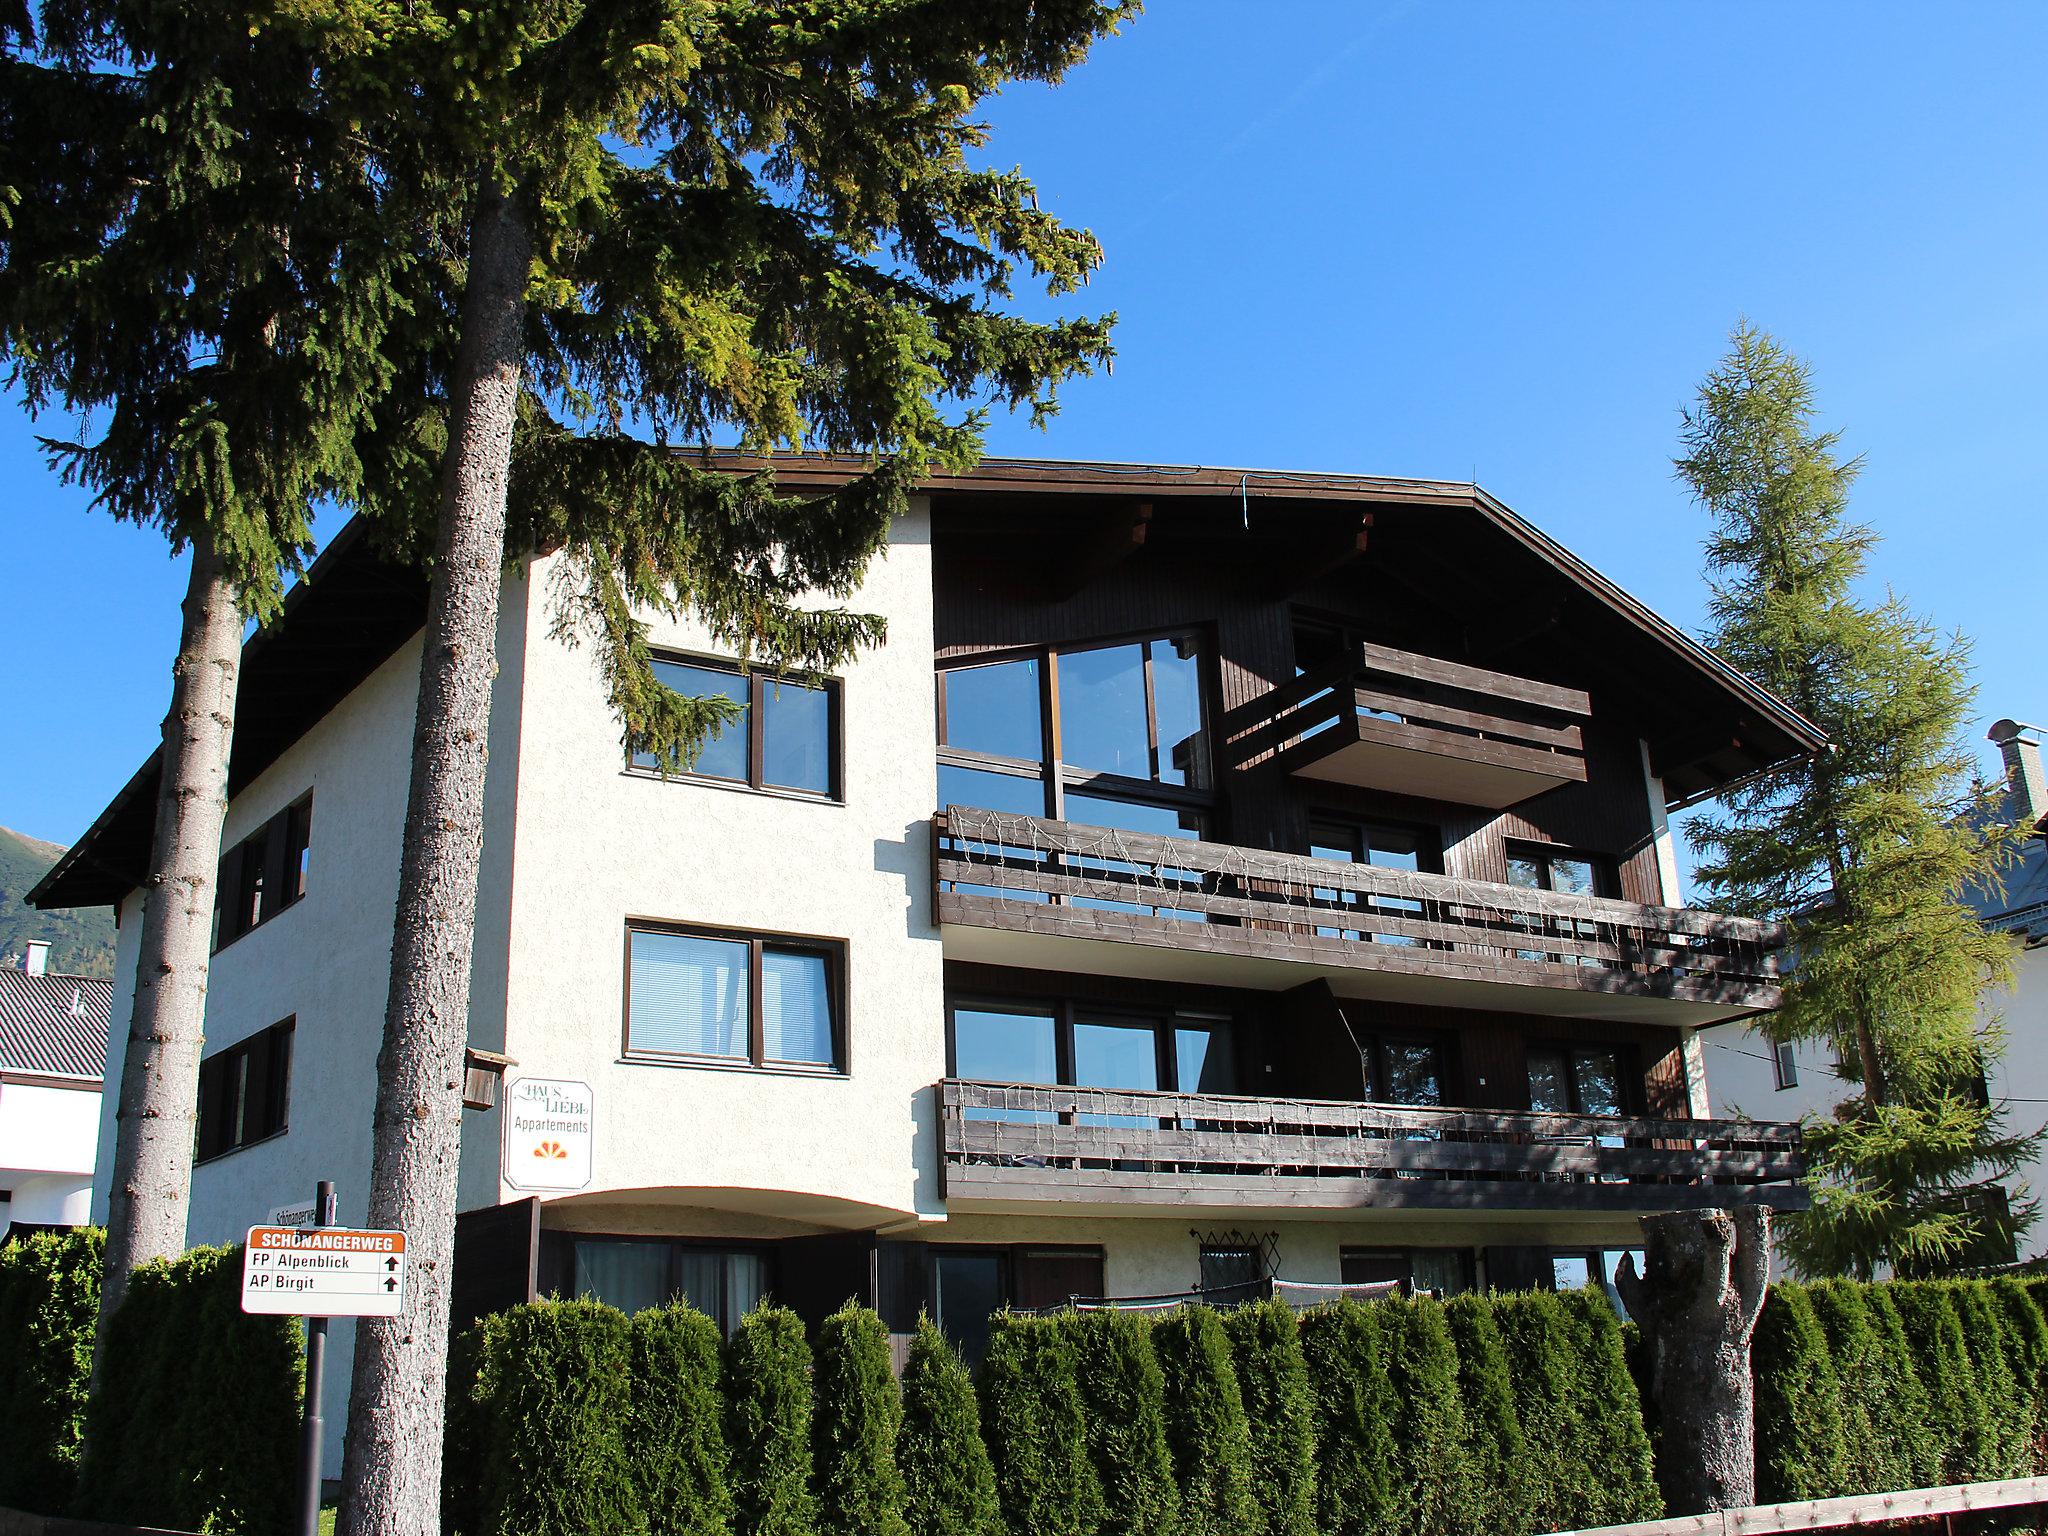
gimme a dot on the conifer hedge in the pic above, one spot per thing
(1032, 1415)
(49, 1298)
(198, 1427)
(1884, 1411)
(1124, 1394)
(1272, 1377)
(1801, 1450)
(949, 1483)
(1495, 1453)
(1438, 1491)
(1206, 1429)
(768, 1425)
(1347, 1370)
(1622, 1481)
(860, 1490)
(675, 1435)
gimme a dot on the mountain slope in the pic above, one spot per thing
(81, 942)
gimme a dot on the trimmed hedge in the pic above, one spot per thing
(1801, 1448)
(676, 1433)
(768, 1424)
(1032, 1413)
(860, 1491)
(1272, 1377)
(1356, 1494)
(1124, 1393)
(1206, 1429)
(1430, 1432)
(1495, 1454)
(949, 1483)
(1884, 1411)
(49, 1300)
(1621, 1484)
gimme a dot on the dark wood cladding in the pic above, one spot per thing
(1012, 1141)
(992, 594)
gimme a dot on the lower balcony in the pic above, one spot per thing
(1019, 1146)
(1051, 895)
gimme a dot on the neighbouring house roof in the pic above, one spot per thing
(353, 610)
(55, 1026)
(2020, 907)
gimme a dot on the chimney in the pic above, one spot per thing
(35, 954)
(2021, 746)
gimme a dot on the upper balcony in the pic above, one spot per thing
(1050, 895)
(1379, 718)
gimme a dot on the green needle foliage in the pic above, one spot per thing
(2006, 1447)
(1265, 1345)
(1430, 1432)
(1957, 1418)
(49, 1297)
(1884, 1408)
(1355, 1407)
(1496, 1456)
(1547, 1368)
(1206, 1429)
(768, 1425)
(1866, 846)
(1124, 1393)
(949, 1482)
(1800, 1430)
(1622, 1483)
(860, 1491)
(676, 1434)
(1036, 1423)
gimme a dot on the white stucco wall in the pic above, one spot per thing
(597, 845)
(2021, 1078)
(47, 1130)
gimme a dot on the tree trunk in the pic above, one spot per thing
(1697, 1304)
(150, 1183)
(391, 1475)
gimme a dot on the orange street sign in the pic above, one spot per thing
(323, 1272)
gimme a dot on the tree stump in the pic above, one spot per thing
(1697, 1305)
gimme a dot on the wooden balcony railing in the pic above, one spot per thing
(1028, 875)
(1394, 720)
(1018, 1141)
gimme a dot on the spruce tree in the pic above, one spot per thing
(1866, 846)
(768, 1425)
(676, 1438)
(660, 227)
(1356, 1494)
(949, 1482)
(1124, 1394)
(1036, 1424)
(860, 1491)
(1439, 1494)
(1272, 1377)
(1206, 1429)
(1496, 1455)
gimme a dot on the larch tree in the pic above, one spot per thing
(1866, 848)
(193, 277)
(665, 222)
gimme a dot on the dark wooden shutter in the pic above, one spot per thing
(1519, 1269)
(497, 1253)
(815, 1276)
(1052, 1277)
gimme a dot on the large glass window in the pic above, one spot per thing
(1578, 1080)
(1129, 724)
(1536, 868)
(1443, 1271)
(785, 736)
(1410, 850)
(634, 1274)
(747, 999)
(1077, 1046)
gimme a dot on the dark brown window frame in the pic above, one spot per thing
(838, 971)
(1606, 867)
(758, 679)
(273, 862)
(1067, 1012)
(558, 1256)
(1468, 1259)
(1628, 1058)
(1058, 778)
(277, 1041)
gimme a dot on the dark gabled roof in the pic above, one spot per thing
(2020, 905)
(353, 610)
(55, 1026)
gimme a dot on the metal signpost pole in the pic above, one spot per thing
(316, 1373)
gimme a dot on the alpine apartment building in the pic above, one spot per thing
(1217, 877)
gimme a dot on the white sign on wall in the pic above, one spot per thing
(550, 1123)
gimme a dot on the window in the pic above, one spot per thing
(632, 1274)
(1232, 1273)
(961, 1284)
(785, 737)
(1538, 867)
(1442, 1271)
(1080, 1046)
(738, 998)
(1104, 735)
(1411, 850)
(1578, 1080)
(264, 873)
(243, 1092)
(1573, 1269)
(1786, 1065)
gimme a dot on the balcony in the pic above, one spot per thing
(1416, 725)
(1010, 1145)
(1050, 895)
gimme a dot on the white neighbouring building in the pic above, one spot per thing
(53, 1048)
(1219, 878)
(1749, 1074)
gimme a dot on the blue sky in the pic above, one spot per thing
(1495, 241)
